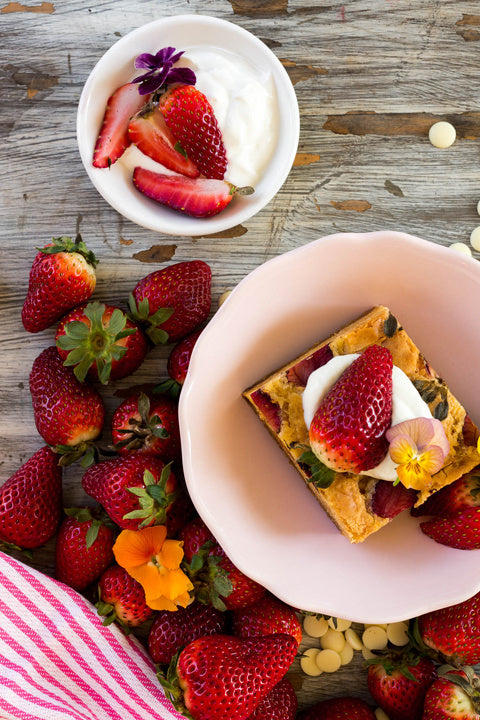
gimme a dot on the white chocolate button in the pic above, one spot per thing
(442, 134)
(375, 638)
(339, 623)
(315, 626)
(328, 660)
(346, 655)
(333, 640)
(478, 207)
(397, 633)
(308, 662)
(475, 238)
(353, 639)
(382, 625)
(367, 654)
(461, 248)
(223, 297)
(381, 714)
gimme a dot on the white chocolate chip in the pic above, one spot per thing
(308, 662)
(223, 297)
(478, 207)
(315, 626)
(346, 655)
(367, 654)
(375, 638)
(442, 134)
(333, 640)
(328, 660)
(381, 714)
(475, 238)
(353, 639)
(339, 623)
(397, 633)
(461, 248)
(382, 625)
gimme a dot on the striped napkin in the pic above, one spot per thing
(58, 662)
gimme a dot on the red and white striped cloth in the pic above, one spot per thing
(58, 662)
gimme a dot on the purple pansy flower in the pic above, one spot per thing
(160, 70)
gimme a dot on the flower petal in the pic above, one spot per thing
(182, 75)
(402, 449)
(419, 429)
(413, 475)
(135, 547)
(162, 603)
(145, 60)
(432, 459)
(171, 554)
(440, 438)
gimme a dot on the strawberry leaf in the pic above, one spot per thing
(321, 475)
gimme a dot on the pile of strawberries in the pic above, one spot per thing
(225, 656)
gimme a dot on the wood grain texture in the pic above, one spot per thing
(370, 76)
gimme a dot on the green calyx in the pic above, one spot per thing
(170, 388)
(466, 679)
(153, 499)
(85, 452)
(139, 432)
(170, 683)
(66, 244)
(95, 345)
(90, 515)
(319, 474)
(140, 312)
(211, 582)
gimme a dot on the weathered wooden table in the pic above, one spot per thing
(371, 76)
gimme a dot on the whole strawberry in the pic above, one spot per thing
(217, 581)
(61, 277)
(268, 615)
(341, 708)
(147, 425)
(173, 301)
(454, 631)
(135, 490)
(83, 549)
(460, 495)
(348, 430)
(461, 530)
(31, 502)
(224, 678)
(100, 342)
(121, 598)
(171, 631)
(398, 685)
(68, 414)
(179, 358)
(456, 696)
(280, 704)
(192, 120)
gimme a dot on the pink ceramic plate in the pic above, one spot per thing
(240, 481)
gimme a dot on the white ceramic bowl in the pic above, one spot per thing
(243, 486)
(116, 67)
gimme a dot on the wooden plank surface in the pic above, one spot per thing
(370, 76)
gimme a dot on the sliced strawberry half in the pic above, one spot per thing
(149, 132)
(198, 197)
(269, 409)
(299, 373)
(113, 139)
(388, 499)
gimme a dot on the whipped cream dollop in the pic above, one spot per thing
(406, 402)
(244, 100)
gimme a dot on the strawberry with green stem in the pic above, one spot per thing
(197, 197)
(398, 682)
(62, 276)
(68, 414)
(453, 696)
(267, 616)
(147, 426)
(174, 301)
(31, 502)
(460, 495)
(83, 547)
(219, 676)
(135, 490)
(121, 599)
(100, 342)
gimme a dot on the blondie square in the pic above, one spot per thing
(277, 400)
